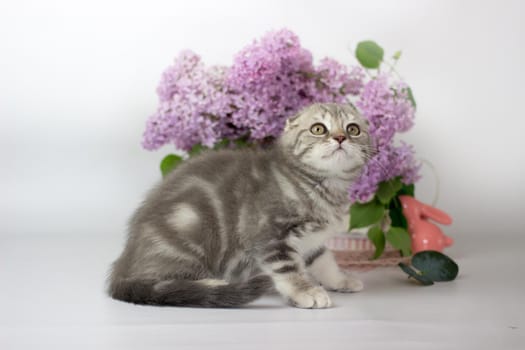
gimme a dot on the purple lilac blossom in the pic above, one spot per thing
(388, 111)
(271, 80)
(275, 77)
(193, 108)
(389, 162)
(335, 81)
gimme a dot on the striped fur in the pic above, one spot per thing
(227, 226)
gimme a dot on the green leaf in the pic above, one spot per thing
(221, 144)
(388, 189)
(400, 239)
(169, 163)
(369, 54)
(411, 97)
(378, 239)
(196, 149)
(241, 143)
(366, 214)
(415, 275)
(435, 265)
(408, 190)
(396, 55)
(396, 214)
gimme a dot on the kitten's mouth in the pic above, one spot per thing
(337, 151)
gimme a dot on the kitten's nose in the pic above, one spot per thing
(339, 138)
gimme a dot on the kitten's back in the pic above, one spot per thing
(162, 265)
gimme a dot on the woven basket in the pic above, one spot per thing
(355, 251)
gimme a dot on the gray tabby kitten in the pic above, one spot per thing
(227, 226)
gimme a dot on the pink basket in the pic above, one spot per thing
(355, 251)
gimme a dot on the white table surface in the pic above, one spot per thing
(52, 297)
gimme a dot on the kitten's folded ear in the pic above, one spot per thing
(291, 123)
(287, 125)
(352, 107)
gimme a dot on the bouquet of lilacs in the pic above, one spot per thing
(247, 104)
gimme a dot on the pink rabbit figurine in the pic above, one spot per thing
(425, 235)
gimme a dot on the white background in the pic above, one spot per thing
(78, 79)
(77, 82)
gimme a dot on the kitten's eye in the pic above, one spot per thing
(318, 129)
(353, 130)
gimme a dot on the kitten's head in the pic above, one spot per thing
(328, 138)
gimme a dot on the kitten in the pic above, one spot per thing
(227, 226)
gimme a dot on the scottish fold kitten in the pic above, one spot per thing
(227, 226)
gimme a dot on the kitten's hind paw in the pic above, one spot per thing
(313, 298)
(346, 285)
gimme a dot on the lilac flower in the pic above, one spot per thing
(193, 109)
(389, 162)
(387, 109)
(187, 67)
(275, 77)
(271, 80)
(335, 81)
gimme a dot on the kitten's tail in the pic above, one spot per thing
(202, 293)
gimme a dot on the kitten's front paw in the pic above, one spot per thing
(313, 298)
(346, 284)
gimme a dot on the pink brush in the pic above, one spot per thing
(425, 235)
